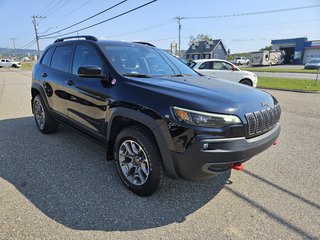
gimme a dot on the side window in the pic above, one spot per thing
(85, 56)
(47, 57)
(222, 66)
(219, 66)
(61, 58)
(206, 65)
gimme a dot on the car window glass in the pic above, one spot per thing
(206, 65)
(139, 59)
(47, 57)
(85, 56)
(221, 66)
(61, 58)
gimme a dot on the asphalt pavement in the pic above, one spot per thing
(59, 186)
(309, 76)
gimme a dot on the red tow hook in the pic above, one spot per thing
(276, 142)
(237, 166)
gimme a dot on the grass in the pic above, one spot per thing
(289, 84)
(279, 70)
(27, 65)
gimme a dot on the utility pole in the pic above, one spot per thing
(179, 18)
(35, 24)
(14, 45)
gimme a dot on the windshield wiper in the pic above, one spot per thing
(138, 75)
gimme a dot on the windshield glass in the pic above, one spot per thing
(145, 61)
(314, 61)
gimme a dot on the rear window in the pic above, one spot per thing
(61, 58)
(47, 57)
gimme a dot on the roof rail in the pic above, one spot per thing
(145, 43)
(86, 37)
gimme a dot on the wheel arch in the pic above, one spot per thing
(123, 117)
(243, 79)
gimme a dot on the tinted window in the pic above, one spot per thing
(61, 58)
(139, 59)
(206, 65)
(47, 57)
(85, 56)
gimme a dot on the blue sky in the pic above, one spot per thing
(155, 23)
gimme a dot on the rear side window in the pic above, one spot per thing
(61, 58)
(47, 57)
(206, 65)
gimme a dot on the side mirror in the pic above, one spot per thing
(91, 72)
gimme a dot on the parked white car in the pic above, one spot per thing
(241, 61)
(9, 63)
(224, 70)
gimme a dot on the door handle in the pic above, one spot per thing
(44, 74)
(69, 82)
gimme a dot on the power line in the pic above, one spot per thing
(75, 24)
(71, 12)
(53, 7)
(44, 9)
(179, 18)
(109, 19)
(144, 29)
(256, 13)
(29, 44)
(53, 11)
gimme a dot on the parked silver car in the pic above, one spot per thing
(313, 63)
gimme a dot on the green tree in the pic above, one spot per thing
(199, 37)
(266, 48)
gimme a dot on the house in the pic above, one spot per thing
(207, 50)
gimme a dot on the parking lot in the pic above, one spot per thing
(60, 186)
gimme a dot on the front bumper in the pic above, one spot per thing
(208, 156)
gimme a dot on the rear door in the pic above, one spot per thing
(55, 72)
(223, 70)
(205, 68)
(88, 97)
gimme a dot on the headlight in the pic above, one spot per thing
(204, 119)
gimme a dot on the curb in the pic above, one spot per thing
(288, 90)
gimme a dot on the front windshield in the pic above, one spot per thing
(145, 61)
(314, 61)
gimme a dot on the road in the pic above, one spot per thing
(310, 76)
(59, 186)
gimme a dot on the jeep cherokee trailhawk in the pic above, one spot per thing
(151, 112)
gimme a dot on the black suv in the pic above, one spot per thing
(150, 111)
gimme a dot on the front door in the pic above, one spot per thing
(87, 102)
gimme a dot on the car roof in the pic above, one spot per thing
(212, 59)
(103, 42)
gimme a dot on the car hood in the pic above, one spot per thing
(206, 94)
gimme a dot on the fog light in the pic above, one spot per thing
(205, 146)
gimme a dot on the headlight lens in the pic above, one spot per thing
(204, 119)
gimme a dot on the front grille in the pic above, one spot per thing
(262, 121)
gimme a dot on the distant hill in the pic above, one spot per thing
(19, 52)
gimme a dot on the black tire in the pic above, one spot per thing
(49, 125)
(143, 139)
(247, 82)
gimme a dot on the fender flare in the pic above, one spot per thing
(153, 125)
(40, 89)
